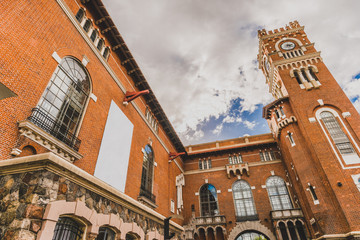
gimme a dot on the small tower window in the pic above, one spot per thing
(282, 111)
(304, 75)
(291, 139)
(277, 114)
(313, 74)
(87, 25)
(79, 15)
(297, 77)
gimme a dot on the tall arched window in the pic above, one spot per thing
(105, 233)
(208, 200)
(297, 77)
(106, 55)
(68, 228)
(243, 200)
(63, 102)
(278, 193)
(147, 173)
(340, 139)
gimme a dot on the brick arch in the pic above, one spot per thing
(154, 235)
(132, 228)
(253, 225)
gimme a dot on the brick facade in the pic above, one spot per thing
(43, 178)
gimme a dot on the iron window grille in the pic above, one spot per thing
(53, 127)
(67, 228)
(105, 233)
(147, 194)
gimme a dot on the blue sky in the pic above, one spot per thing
(200, 59)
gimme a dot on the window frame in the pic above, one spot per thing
(246, 198)
(208, 203)
(277, 199)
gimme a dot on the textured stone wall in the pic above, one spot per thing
(24, 197)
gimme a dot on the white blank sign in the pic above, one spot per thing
(113, 160)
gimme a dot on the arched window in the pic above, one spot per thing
(63, 102)
(208, 200)
(147, 173)
(251, 235)
(130, 236)
(297, 77)
(312, 73)
(340, 139)
(68, 228)
(94, 34)
(292, 230)
(283, 231)
(105, 233)
(100, 44)
(304, 75)
(278, 193)
(87, 25)
(105, 55)
(300, 229)
(80, 14)
(243, 200)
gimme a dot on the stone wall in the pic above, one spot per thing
(25, 196)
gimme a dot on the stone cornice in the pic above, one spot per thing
(297, 59)
(53, 163)
(38, 135)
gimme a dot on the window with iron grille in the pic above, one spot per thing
(67, 228)
(105, 233)
(278, 193)
(208, 200)
(63, 103)
(340, 139)
(243, 199)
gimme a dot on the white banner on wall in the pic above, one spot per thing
(113, 160)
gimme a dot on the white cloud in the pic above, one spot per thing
(198, 57)
(249, 125)
(218, 129)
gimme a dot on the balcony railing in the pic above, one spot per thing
(49, 125)
(147, 194)
(247, 218)
(288, 213)
(211, 220)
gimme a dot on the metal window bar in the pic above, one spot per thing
(67, 228)
(48, 124)
(148, 194)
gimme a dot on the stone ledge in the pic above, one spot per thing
(38, 135)
(53, 163)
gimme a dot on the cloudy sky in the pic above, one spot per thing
(199, 57)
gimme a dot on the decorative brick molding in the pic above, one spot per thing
(38, 135)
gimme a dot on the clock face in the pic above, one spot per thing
(288, 45)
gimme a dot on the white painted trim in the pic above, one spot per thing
(56, 57)
(93, 97)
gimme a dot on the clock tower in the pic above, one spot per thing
(317, 129)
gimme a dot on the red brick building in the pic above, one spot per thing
(88, 153)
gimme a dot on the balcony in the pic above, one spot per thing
(146, 197)
(247, 218)
(210, 220)
(53, 127)
(43, 130)
(286, 214)
(237, 169)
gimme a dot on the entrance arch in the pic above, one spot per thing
(251, 235)
(248, 226)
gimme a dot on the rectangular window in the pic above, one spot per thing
(200, 165)
(230, 159)
(291, 139)
(205, 164)
(262, 156)
(172, 206)
(209, 163)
